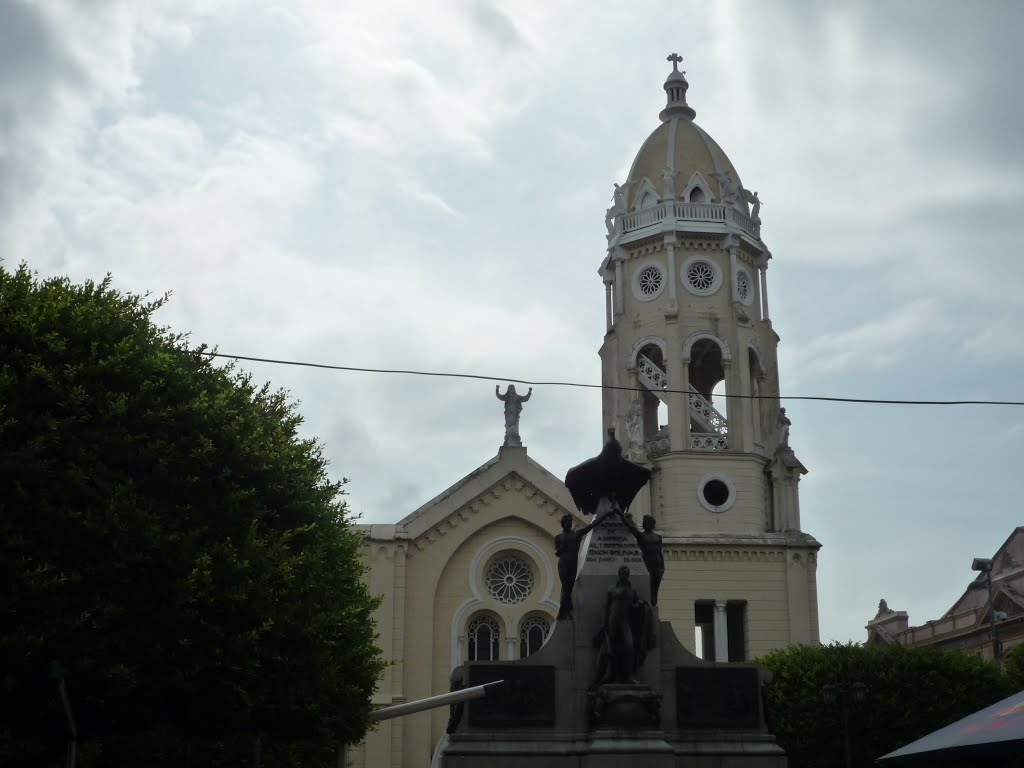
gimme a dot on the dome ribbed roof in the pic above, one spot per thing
(679, 145)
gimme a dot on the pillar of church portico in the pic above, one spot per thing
(721, 632)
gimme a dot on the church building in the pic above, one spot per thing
(691, 390)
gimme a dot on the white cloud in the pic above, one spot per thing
(399, 184)
(416, 191)
(874, 344)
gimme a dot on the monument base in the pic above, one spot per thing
(683, 712)
(615, 705)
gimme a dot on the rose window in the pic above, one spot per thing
(649, 281)
(509, 580)
(701, 275)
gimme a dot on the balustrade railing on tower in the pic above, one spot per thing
(708, 441)
(650, 374)
(717, 213)
(704, 412)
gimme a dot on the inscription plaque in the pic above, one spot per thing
(526, 698)
(611, 545)
(716, 697)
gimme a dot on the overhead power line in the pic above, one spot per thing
(583, 385)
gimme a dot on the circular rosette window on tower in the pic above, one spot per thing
(648, 281)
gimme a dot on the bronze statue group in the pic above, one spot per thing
(627, 632)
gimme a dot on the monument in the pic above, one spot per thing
(612, 683)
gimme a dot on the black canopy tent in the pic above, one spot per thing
(992, 733)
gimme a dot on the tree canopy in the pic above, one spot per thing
(910, 692)
(167, 536)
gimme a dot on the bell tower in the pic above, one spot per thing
(691, 383)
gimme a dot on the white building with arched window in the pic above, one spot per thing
(470, 575)
(692, 391)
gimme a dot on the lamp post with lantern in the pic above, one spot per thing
(844, 693)
(984, 565)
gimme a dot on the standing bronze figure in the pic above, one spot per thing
(650, 550)
(567, 549)
(627, 633)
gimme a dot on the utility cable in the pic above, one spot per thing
(581, 385)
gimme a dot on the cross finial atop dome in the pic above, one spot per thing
(676, 87)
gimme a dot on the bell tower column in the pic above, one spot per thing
(619, 308)
(670, 254)
(608, 305)
(764, 292)
(678, 383)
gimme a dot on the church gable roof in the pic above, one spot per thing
(510, 470)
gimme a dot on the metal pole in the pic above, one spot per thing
(57, 673)
(843, 692)
(466, 694)
(992, 617)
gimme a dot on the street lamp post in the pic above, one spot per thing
(57, 674)
(984, 565)
(844, 693)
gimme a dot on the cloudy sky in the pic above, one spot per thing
(420, 185)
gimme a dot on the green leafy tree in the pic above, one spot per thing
(169, 538)
(1013, 665)
(910, 692)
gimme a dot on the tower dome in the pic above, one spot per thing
(680, 161)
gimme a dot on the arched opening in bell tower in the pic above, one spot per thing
(708, 391)
(706, 368)
(650, 363)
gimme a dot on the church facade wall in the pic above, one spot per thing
(435, 585)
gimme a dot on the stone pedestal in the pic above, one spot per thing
(604, 550)
(683, 712)
(623, 707)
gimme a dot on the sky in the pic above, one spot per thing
(392, 184)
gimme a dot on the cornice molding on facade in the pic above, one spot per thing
(920, 635)
(711, 242)
(786, 459)
(381, 532)
(775, 539)
(722, 554)
(652, 247)
(511, 483)
(481, 480)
